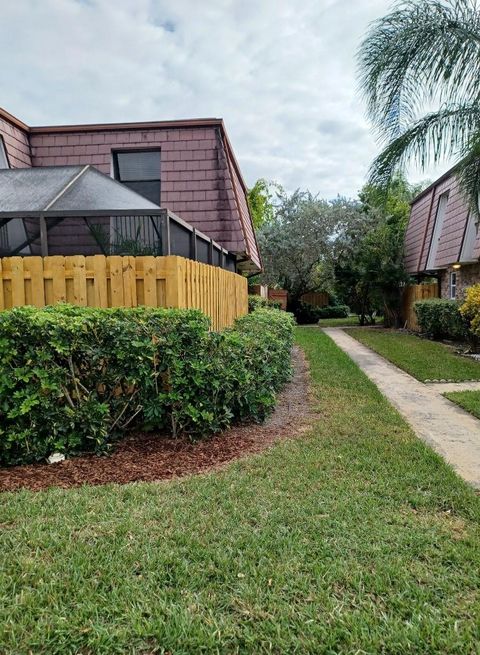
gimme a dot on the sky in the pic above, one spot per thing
(281, 73)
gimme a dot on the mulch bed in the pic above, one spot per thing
(154, 456)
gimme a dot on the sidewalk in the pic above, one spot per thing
(451, 431)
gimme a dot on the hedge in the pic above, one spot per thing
(258, 302)
(75, 379)
(307, 314)
(441, 319)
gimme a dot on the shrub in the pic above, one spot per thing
(334, 311)
(257, 302)
(470, 310)
(441, 319)
(74, 379)
(307, 314)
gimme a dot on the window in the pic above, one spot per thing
(468, 245)
(437, 230)
(453, 286)
(3, 155)
(140, 171)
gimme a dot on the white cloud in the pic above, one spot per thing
(280, 72)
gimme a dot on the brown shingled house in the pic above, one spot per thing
(184, 166)
(442, 237)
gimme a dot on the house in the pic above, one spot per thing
(442, 237)
(185, 188)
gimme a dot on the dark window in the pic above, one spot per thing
(453, 286)
(140, 171)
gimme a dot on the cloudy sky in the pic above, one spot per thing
(280, 72)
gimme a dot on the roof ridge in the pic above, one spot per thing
(66, 187)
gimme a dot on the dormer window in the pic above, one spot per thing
(140, 171)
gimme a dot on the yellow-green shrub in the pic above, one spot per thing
(470, 309)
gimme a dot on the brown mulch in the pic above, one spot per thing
(154, 456)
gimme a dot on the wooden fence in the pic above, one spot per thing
(115, 281)
(316, 298)
(410, 295)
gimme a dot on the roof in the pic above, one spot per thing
(431, 186)
(89, 127)
(65, 188)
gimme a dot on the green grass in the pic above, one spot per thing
(424, 359)
(355, 538)
(338, 322)
(469, 400)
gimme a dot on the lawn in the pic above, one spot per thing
(469, 400)
(424, 359)
(355, 538)
(338, 322)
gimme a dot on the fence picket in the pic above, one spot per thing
(34, 265)
(18, 281)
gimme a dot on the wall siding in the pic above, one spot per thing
(437, 192)
(421, 224)
(16, 144)
(453, 226)
(419, 217)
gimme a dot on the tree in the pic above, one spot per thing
(298, 246)
(260, 201)
(369, 269)
(393, 201)
(424, 53)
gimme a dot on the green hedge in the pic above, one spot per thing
(74, 379)
(307, 314)
(441, 319)
(257, 302)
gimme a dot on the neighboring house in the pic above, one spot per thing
(185, 166)
(442, 237)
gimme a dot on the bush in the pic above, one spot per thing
(470, 310)
(334, 311)
(75, 379)
(307, 314)
(441, 319)
(257, 302)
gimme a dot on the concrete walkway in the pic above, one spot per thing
(451, 431)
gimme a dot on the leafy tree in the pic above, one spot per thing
(393, 201)
(369, 268)
(424, 54)
(260, 201)
(298, 246)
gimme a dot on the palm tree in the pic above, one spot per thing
(420, 74)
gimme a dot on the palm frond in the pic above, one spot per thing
(438, 135)
(424, 50)
(468, 171)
